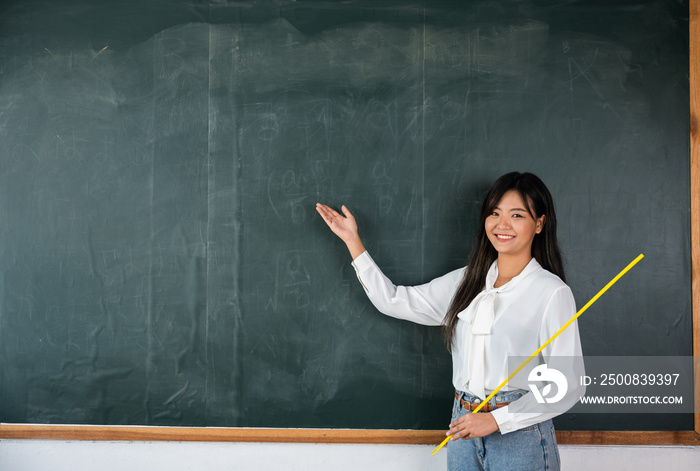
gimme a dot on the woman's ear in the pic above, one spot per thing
(539, 224)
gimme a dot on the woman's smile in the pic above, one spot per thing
(504, 237)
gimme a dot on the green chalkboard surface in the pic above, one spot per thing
(161, 262)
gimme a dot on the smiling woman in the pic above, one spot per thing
(507, 302)
(543, 245)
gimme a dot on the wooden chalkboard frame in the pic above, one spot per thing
(266, 435)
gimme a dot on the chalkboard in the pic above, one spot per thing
(161, 262)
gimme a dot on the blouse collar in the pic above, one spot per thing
(492, 275)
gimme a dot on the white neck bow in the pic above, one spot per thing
(481, 312)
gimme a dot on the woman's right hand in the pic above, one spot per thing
(344, 227)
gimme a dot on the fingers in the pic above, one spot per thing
(326, 213)
(473, 426)
(458, 429)
(326, 210)
(330, 215)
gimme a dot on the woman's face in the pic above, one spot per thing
(511, 228)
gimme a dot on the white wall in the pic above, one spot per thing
(58, 455)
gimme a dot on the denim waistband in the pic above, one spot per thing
(499, 398)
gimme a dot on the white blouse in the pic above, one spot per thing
(513, 320)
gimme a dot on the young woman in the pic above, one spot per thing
(509, 300)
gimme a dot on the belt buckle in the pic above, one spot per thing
(471, 406)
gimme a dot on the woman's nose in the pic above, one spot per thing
(503, 222)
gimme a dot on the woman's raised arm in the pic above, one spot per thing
(344, 227)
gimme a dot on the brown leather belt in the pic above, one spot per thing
(470, 406)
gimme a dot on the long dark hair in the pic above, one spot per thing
(545, 248)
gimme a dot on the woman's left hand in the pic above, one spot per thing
(473, 426)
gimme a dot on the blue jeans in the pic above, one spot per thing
(531, 448)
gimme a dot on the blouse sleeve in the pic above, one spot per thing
(563, 354)
(426, 304)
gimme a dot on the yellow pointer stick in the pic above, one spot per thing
(581, 311)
